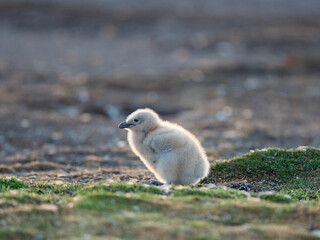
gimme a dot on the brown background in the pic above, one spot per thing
(240, 75)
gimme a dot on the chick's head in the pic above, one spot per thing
(141, 120)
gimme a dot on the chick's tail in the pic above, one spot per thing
(202, 170)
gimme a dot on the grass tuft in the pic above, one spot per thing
(121, 187)
(296, 171)
(67, 188)
(113, 203)
(274, 162)
(15, 233)
(223, 193)
(275, 197)
(11, 183)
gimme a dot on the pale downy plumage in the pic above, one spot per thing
(172, 153)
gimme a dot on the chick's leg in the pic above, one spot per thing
(167, 168)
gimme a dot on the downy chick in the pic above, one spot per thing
(168, 150)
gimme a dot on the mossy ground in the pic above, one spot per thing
(113, 210)
(295, 172)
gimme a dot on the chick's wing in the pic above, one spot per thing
(168, 141)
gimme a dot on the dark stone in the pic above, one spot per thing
(272, 184)
(154, 182)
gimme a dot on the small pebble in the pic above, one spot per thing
(272, 184)
(136, 208)
(211, 185)
(154, 182)
(39, 237)
(316, 232)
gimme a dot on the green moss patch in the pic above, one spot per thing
(67, 188)
(15, 233)
(11, 183)
(120, 187)
(219, 192)
(295, 172)
(275, 197)
(113, 203)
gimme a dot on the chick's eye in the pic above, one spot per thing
(135, 120)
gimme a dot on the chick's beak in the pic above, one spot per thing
(124, 125)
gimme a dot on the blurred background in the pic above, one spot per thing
(240, 75)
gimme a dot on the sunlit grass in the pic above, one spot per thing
(138, 211)
(296, 171)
